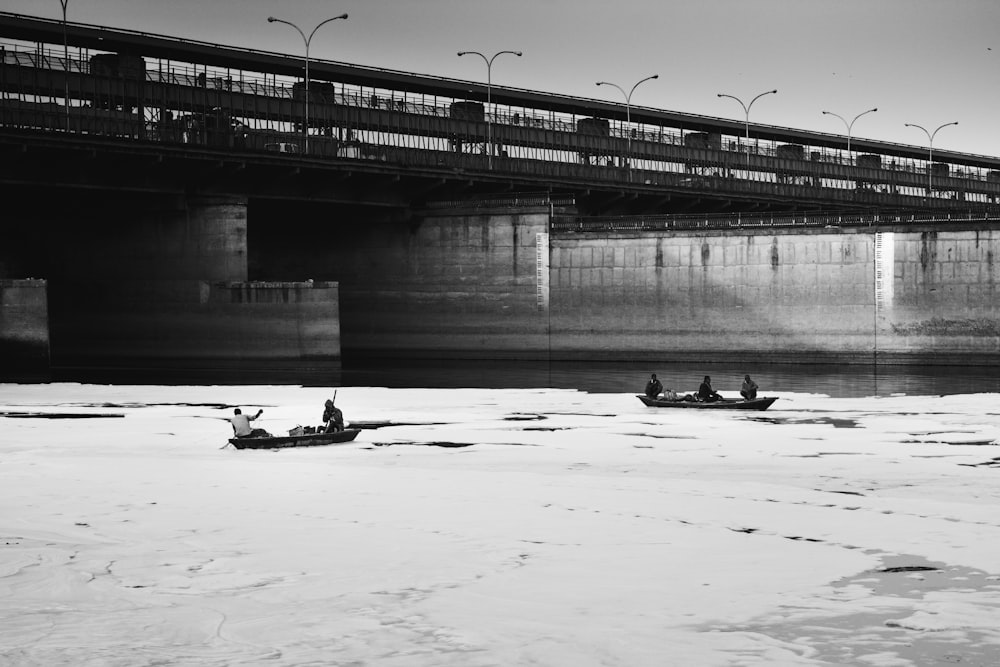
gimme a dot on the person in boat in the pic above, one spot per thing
(705, 392)
(333, 418)
(241, 425)
(749, 389)
(654, 387)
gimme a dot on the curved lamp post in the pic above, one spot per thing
(849, 126)
(930, 151)
(746, 111)
(489, 93)
(307, 40)
(628, 110)
(64, 4)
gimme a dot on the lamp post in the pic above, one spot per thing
(64, 4)
(489, 93)
(930, 151)
(849, 126)
(746, 111)
(307, 40)
(628, 110)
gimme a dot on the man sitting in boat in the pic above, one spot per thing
(653, 387)
(332, 417)
(706, 393)
(749, 389)
(241, 425)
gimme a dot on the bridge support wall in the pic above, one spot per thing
(160, 281)
(944, 301)
(159, 323)
(460, 284)
(24, 325)
(782, 296)
(455, 284)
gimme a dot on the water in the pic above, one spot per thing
(847, 381)
(609, 377)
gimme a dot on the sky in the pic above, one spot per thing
(925, 62)
(559, 528)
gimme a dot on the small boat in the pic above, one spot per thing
(762, 403)
(305, 440)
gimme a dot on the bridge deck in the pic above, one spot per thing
(189, 100)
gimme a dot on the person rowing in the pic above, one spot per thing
(333, 418)
(241, 425)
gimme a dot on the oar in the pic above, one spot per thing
(334, 399)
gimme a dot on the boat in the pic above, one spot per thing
(305, 440)
(762, 403)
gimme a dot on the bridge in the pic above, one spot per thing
(117, 100)
(190, 201)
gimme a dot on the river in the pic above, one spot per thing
(843, 381)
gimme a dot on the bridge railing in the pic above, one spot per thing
(261, 84)
(512, 200)
(245, 111)
(648, 223)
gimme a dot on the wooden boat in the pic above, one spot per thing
(762, 403)
(306, 440)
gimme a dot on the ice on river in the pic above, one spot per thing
(496, 528)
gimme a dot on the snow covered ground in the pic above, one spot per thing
(496, 527)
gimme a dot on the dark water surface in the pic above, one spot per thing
(598, 377)
(606, 377)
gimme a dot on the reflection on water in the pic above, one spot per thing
(607, 377)
(597, 377)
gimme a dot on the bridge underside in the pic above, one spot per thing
(153, 254)
(74, 163)
(137, 278)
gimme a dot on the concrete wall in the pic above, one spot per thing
(463, 284)
(24, 324)
(153, 239)
(790, 296)
(946, 296)
(456, 284)
(167, 279)
(140, 279)
(641, 295)
(168, 322)
(126, 280)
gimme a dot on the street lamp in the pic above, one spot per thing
(64, 4)
(489, 92)
(307, 40)
(746, 111)
(628, 110)
(849, 126)
(930, 151)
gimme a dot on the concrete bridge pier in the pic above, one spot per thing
(454, 283)
(153, 281)
(192, 301)
(452, 280)
(24, 325)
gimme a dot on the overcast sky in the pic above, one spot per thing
(926, 62)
